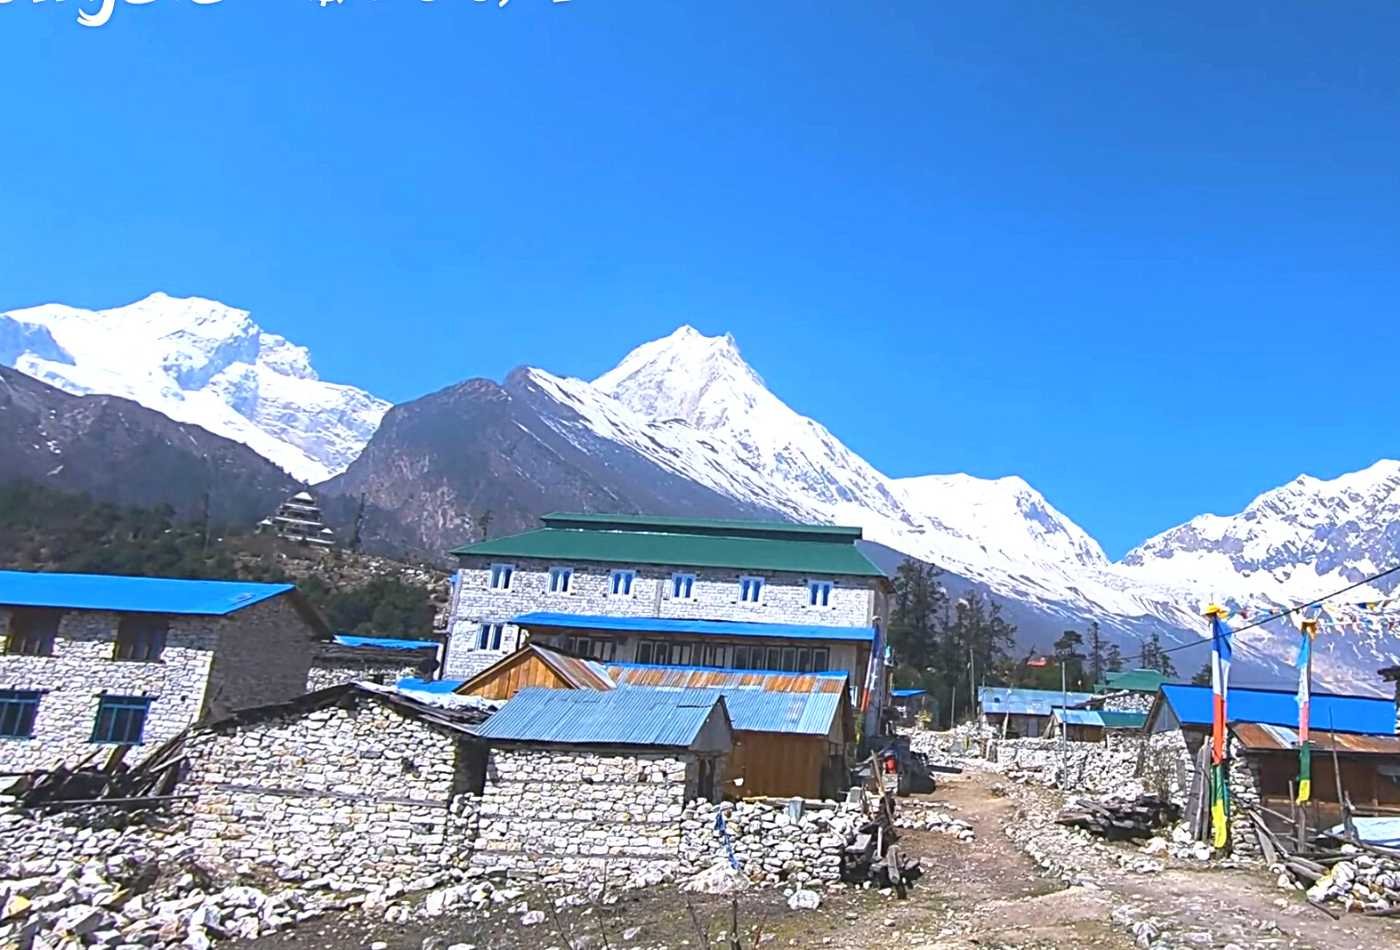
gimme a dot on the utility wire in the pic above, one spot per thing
(1280, 615)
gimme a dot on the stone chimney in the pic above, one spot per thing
(1392, 673)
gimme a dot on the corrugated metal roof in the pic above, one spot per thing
(637, 716)
(155, 595)
(576, 671)
(1102, 718)
(906, 693)
(809, 714)
(998, 700)
(728, 527)
(816, 555)
(1139, 681)
(1266, 737)
(384, 643)
(714, 628)
(1359, 714)
(694, 677)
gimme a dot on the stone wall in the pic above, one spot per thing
(327, 673)
(571, 812)
(365, 793)
(769, 845)
(855, 601)
(263, 657)
(81, 669)
(1124, 762)
(1128, 701)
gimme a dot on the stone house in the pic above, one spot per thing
(582, 781)
(90, 662)
(353, 781)
(1092, 725)
(345, 658)
(1128, 691)
(794, 733)
(1263, 752)
(676, 592)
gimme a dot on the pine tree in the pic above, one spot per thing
(1113, 659)
(1067, 654)
(1097, 663)
(1203, 675)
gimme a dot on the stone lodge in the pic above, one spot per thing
(675, 592)
(91, 662)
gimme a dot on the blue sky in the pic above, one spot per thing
(1143, 255)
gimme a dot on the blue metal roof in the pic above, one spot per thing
(1384, 832)
(906, 693)
(1000, 700)
(154, 595)
(808, 714)
(715, 628)
(429, 686)
(1104, 719)
(1366, 715)
(384, 643)
(635, 716)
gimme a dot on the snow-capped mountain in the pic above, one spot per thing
(202, 362)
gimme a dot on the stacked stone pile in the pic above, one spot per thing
(1086, 766)
(1362, 882)
(769, 844)
(967, 740)
(1073, 855)
(923, 818)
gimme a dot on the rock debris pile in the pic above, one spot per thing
(1363, 881)
(922, 818)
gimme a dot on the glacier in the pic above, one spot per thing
(199, 361)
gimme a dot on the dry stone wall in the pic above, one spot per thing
(769, 843)
(564, 812)
(363, 792)
(1120, 764)
(323, 675)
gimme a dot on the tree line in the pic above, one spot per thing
(46, 530)
(950, 645)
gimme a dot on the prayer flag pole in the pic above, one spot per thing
(1220, 688)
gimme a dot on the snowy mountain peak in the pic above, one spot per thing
(199, 361)
(687, 375)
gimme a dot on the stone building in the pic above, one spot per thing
(90, 662)
(386, 660)
(582, 780)
(1023, 713)
(354, 781)
(794, 733)
(679, 592)
(299, 519)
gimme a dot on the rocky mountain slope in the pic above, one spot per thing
(683, 425)
(120, 452)
(201, 362)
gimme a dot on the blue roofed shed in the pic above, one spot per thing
(691, 719)
(1190, 707)
(1024, 712)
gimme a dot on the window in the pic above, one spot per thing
(17, 711)
(620, 583)
(501, 575)
(489, 636)
(141, 637)
(594, 648)
(560, 579)
(121, 719)
(32, 632)
(682, 586)
(750, 590)
(819, 593)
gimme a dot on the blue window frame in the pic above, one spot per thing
(501, 575)
(121, 719)
(489, 636)
(560, 579)
(751, 589)
(620, 583)
(17, 711)
(682, 586)
(819, 593)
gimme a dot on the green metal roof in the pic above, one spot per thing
(726, 527)
(820, 553)
(1141, 681)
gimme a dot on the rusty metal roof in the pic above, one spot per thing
(1262, 737)
(687, 677)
